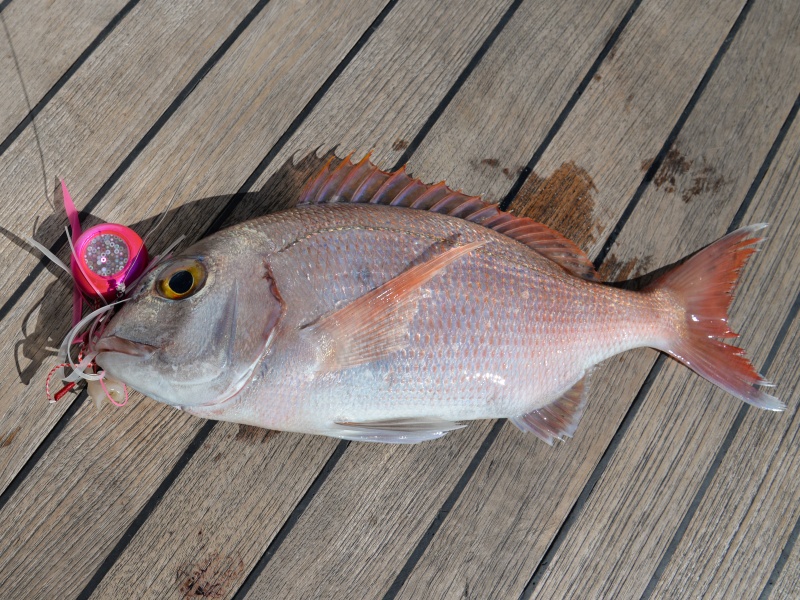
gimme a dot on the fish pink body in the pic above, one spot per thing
(387, 323)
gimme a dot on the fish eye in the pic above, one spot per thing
(182, 280)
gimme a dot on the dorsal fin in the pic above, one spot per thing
(365, 183)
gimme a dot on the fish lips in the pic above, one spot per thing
(120, 345)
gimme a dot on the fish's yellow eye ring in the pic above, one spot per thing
(181, 280)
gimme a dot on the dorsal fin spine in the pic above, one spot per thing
(447, 202)
(311, 190)
(339, 174)
(482, 215)
(395, 184)
(431, 198)
(413, 190)
(356, 177)
(366, 183)
(473, 205)
(370, 186)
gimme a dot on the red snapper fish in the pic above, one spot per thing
(383, 309)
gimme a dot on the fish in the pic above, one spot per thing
(384, 309)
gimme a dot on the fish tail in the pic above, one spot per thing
(703, 287)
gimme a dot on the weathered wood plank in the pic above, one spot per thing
(752, 504)
(41, 39)
(493, 125)
(480, 522)
(412, 34)
(264, 476)
(352, 85)
(84, 132)
(390, 541)
(305, 62)
(622, 541)
(70, 512)
(634, 510)
(96, 119)
(787, 586)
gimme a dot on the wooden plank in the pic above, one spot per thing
(84, 133)
(350, 88)
(495, 122)
(305, 60)
(480, 523)
(413, 33)
(337, 512)
(64, 518)
(787, 586)
(642, 496)
(753, 503)
(41, 39)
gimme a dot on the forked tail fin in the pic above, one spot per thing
(704, 286)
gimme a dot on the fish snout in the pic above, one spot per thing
(120, 345)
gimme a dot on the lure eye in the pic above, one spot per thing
(182, 280)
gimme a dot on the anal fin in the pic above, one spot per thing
(395, 431)
(374, 325)
(558, 419)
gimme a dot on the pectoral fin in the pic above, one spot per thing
(395, 431)
(558, 419)
(376, 324)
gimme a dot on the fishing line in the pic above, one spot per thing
(30, 107)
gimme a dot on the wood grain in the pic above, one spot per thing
(215, 521)
(226, 506)
(326, 571)
(634, 510)
(315, 59)
(480, 523)
(74, 507)
(41, 39)
(84, 133)
(787, 585)
(248, 543)
(752, 504)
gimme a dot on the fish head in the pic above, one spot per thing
(194, 329)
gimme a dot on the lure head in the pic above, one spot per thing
(108, 259)
(194, 328)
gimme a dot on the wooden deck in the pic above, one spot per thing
(641, 129)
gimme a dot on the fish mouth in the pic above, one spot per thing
(113, 343)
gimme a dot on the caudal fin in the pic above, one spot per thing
(704, 286)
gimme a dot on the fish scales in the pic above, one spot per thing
(489, 335)
(389, 323)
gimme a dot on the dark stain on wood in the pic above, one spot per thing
(614, 269)
(706, 181)
(646, 164)
(250, 434)
(399, 145)
(675, 164)
(9, 437)
(562, 201)
(510, 172)
(209, 578)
